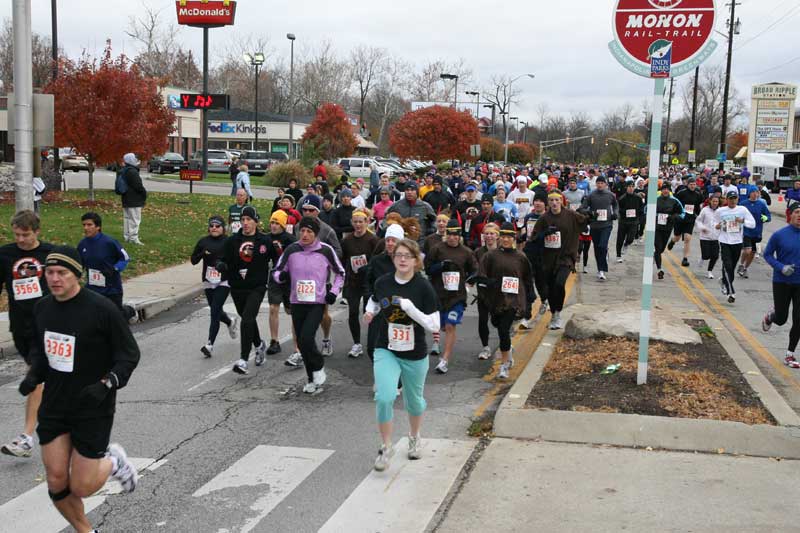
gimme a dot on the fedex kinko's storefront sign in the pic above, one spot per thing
(663, 38)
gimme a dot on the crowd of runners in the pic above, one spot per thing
(407, 257)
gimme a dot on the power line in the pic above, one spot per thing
(777, 67)
(783, 18)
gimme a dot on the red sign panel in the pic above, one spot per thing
(663, 33)
(188, 174)
(209, 14)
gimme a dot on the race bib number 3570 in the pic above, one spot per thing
(60, 351)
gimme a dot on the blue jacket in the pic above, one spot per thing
(757, 208)
(103, 259)
(782, 249)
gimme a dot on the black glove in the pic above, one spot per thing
(449, 265)
(109, 272)
(221, 267)
(551, 230)
(94, 394)
(283, 276)
(435, 268)
(330, 298)
(27, 386)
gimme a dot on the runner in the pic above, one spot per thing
(279, 239)
(603, 207)
(631, 206)
(692, 200)
(533, 250)
(357, 251)
(668, 210)
(559, 229)
(210, 250)
(104, 259)
(307, 264)
(235, 211)
(245, 263)
(380, 264)
(435, 239)
(506, 275)
(523, 199)
(709, 234)
(783, 255)
(491, 233)
(752, 236)
(84, 352)
(731, 236)
(21, 269)
(403, 307)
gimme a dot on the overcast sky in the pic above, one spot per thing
(564, 43)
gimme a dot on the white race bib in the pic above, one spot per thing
(235, 227)
(60, 351)
(27, 288)
(96, 278)
(529, 228)
(663, 218)
(689, 209)
(630, 213)
(451, 280)
(243, 273)
(510, 285)
(467, 226)
(358, 262)
(602, 215)
(306, 290)
(290, 228)
(401, 337)
(553, 241)
(213, 276)
(732, 226)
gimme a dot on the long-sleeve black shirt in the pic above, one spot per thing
(246, 260)
(210, 250)
(22, 271)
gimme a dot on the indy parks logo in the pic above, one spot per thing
(660, 56)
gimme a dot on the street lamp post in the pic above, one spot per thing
(455, 95)
(508, 110)
(291, 38)
(734, 27)
(516, 127)
(477, 96)
(492, 106)
(524, 131)
(255, 60)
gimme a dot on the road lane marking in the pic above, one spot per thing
(33, 510)
(404, 498)
(268, 474)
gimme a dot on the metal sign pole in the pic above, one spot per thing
(204, 125)
(650, 230)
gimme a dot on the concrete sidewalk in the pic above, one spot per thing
(149, 294)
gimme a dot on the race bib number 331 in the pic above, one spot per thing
(401, 337)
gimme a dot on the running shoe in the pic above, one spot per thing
(511, 357)
(732, 299)
(485, 353)
(274, 347)
(21, 446)
(414, 447)
(208, 349)
(685, 262)
(125, 472)
(660, 274)
(295, 360)
(356, 351)
(745, 275)
(543, 308)
(385, 454)
(723, 289)
(435, 349)
(740, 270)
(791, 362)
(311, 388)
(327, 347)
(670, 245)
(555, 321)
(766, 322)
(261, 353)
(240, 367)
(619, 259)
(710, 275)
(233, 329)
(441, 368)
(343, 301)
(319, 377)
(585, 270)
(503, 373)
(524, 324)
(601, 276)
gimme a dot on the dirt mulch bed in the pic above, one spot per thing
(692, 381)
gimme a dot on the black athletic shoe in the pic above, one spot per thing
(731, 299)
(685, 262)
(274, 347)
(671, 245)
(660, 274)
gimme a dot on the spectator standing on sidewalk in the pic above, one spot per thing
(243, 181)
(133, 199)
(233, 171)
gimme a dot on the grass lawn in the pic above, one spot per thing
(219, 178)
(171, 224)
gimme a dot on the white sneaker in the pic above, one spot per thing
(601, 276)
(240, 367)
(524, 324)
(709, 275)
(585, 270)
(435, 348)
(319, 377)
(295, 360)
(543, 308)
(356, 351)
(511, 357)
(385, 454)
(208, 349)
(261, 353)
(485, 353)
(414, 447)
(125, 472)
(21, 446)
(327, 347)
(310, 388)
(619, 259)
(233, 329)
(503, 373)
(441, 368)
(555, 321)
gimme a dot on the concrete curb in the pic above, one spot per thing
(515, 421)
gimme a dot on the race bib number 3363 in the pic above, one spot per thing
(60, 351)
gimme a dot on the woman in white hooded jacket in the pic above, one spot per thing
(707, 223)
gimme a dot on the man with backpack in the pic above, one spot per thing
(129, 186)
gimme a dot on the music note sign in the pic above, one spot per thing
(204, 101)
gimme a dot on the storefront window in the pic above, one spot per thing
(240, 145)
(281, 148)
(217, 145)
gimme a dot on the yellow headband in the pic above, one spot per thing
(554, 195)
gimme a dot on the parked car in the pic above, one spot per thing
(396, 167)
(70, 160)
(218, 160)
(168, 162)
(359, 167)
(258, 162)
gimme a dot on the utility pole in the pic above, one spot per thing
(292, 154)
(723, 134)
(54, 31)
(23, 105)
(694, 112)
(669, 109)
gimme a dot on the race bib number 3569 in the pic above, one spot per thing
(27, 288)
(60, 351)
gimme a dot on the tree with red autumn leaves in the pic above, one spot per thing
(108, 108)
(437, 133)
(330, 133)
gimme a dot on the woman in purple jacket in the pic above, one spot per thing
(307, 266)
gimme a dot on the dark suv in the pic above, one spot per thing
(258, 162)
(167, 163)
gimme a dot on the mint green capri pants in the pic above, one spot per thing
(388, 368)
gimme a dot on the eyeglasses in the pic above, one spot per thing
(308, 210)
(405, 257)
(215, 225)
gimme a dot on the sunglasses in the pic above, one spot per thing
(308, 210)
(215, 225)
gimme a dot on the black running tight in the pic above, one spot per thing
(784, 296)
